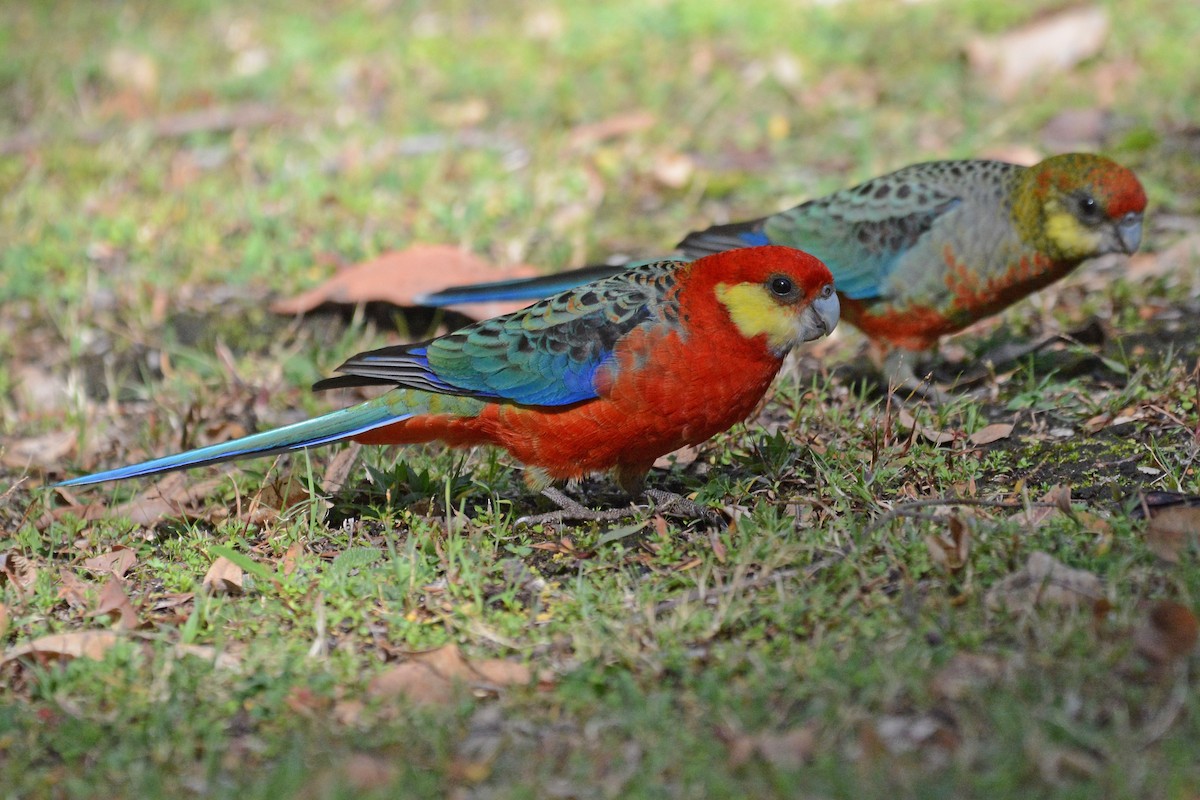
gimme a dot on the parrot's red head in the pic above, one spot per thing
(1079, 205)
(783, 294)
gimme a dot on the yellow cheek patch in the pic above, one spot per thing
(1068, 236)
(755, 313)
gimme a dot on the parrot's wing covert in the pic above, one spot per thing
(863, 232)
(545, 355)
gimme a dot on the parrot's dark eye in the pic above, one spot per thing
(827, 291)
(1088, 207)
(782, 286)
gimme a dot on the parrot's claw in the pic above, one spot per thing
(666, 503)
(903, 383)
(676, 505)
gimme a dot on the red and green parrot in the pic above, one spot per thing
(928, 249)
(603, 377)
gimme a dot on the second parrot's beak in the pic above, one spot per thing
(1129, 232)
(821, 317)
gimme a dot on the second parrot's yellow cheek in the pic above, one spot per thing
(1070, 237)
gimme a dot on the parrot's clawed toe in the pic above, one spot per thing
(661, 502)
(903, 383)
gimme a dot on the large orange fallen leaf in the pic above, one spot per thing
(401, 276)
(223, 577)
(991, 433)
(434, 677)
(117, 561)
(1050, 45)
(47, 450)
(79, 644)
(113, 602)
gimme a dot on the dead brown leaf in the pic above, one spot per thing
(3, 620)
(951, 552)
(287, 564)
(1168, 633)
(113, 602)
(908, 733)
(172, 600)
(1058, 498)
(348, 712)
(223, 577)
(583, 136)
(79, 644)
(1077, 129)
(402, 276)
(425, 679)
(461, 113)
(338, 470)
(135, 78)
(117, 561)
(965, 673)
(1050, 45)
(46, 451)
(37, 388)
(175, 496)
(907, 420)
(369, 773)
(1175, 260)
(435, 676)
(500, 672)
(991, 433)
(218, 118)
(672, 170)
(276, 496)
(784, 750)
(19, 570)
(1044, 581)
(684, 455)
(1170, 529)
(71, 588)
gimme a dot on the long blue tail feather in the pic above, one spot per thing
(326, 429)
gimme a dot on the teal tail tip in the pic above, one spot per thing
(327, 429)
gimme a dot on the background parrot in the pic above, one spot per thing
(608, 376)
(928, 249)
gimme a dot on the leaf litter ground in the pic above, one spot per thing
(993, 598)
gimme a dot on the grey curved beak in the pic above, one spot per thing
(820, 318)
(1129, 232)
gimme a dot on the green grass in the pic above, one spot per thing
(136, 272)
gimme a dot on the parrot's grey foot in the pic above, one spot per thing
(666, 503)
(570, 510)
(676, 505)
(903, 383)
